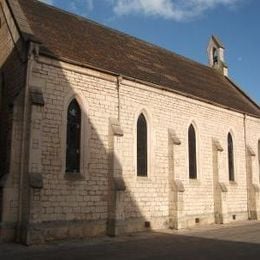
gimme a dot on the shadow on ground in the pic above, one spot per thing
(175, 245)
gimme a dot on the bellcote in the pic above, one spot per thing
(216, 55)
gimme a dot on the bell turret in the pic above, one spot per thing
(216, 55)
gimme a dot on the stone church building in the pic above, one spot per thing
(102, 133)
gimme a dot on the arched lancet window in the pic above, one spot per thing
(192, 153)
(73, 137)
(215, 55)
(141, 146)
(259, 157)
(230, 158)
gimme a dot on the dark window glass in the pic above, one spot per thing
(215, 56)
(73, 137)
(230, 158)
(141, 146)
(192, 153)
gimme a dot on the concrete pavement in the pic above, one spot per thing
(232, 241)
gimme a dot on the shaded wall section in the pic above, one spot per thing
(90, 202)
(12, 73)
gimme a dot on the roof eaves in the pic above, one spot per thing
(148, 83)
(243, 93)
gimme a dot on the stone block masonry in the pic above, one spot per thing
(78, 206)
(109, 193)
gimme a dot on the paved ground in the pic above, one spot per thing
(233, 241)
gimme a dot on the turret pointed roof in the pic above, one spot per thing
(218, 42)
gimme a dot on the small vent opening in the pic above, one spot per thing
(197, 220)
(147, 224)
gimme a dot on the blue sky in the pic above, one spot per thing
(185, 26)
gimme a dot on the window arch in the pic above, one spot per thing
(192, 152)
(142, 146)
(230, 158)
(73, 137)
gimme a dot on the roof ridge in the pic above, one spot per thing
(123, 34)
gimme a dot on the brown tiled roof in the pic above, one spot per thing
(74, 38)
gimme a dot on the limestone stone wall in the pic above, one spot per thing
(73, 203)
(12, 70)
(253, 136)
(253, 167)
(169, 111)
(106, 196)
(74, 206)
